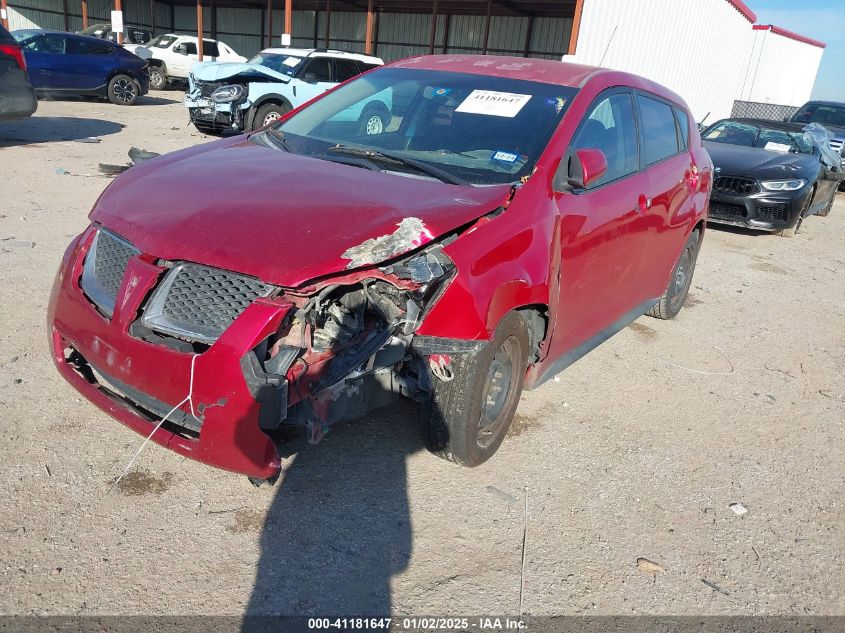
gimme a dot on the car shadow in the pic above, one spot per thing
(339, 525)
(50, 129)
(149, 100)
(737, 230)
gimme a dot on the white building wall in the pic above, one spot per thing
(781, 70)
(701, 53)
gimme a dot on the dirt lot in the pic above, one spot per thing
(636, 451)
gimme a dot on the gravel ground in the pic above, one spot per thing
(636, 451)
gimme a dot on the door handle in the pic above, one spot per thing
(644, 203)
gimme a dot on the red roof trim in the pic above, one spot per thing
(789, 34)
(740, 6)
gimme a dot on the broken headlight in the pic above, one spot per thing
(227, 94)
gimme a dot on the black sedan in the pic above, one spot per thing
(769, 175)
(17, 98)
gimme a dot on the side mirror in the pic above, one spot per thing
(586, 166)
(310, 78)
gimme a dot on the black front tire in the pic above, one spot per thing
(467, 418)
(268, 114)
(158, 78)
(673, 298)
(123, 90)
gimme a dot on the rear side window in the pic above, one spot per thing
(210, 48)
(683, 125)
(660, 134)
(612, 128)
(86, 47)
(345, 69)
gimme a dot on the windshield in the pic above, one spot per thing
(285, 64)
(824, 114)
(468, 128)
(96, 29)
(750, 135)
(162, 41)
(20, 36)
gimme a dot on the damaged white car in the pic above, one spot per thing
(248, 96)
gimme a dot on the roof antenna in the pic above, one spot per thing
(608, 44)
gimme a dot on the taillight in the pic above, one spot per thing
(14, 51)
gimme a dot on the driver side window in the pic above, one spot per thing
(611, 127)
(47, 44)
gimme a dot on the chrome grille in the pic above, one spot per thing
(198, 303)
(734, 185)
(103, 270)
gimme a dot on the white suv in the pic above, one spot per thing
(171, 56)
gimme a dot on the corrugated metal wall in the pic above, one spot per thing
(781, 70)
(399, 34)
(701, 54)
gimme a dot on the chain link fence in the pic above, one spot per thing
(755, 110)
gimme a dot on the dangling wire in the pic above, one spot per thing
(189, 399)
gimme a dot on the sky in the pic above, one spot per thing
(820, 19)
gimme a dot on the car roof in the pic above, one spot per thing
(66, 34)
(786, 126)
(190, 38)
(841, 104)
(539, 70)
(323, 52)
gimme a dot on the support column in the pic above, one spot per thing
(269, 23)
(117, 7)
(328, 21)
(487, 26)
(529, 32)
(84, 13)
(446, 20)
(199, 30)
(368, 42)
(433, 33)
(576, 27)
(5, 14)
(64, 13)
(153, 17)
(214, 19)
(288, 22)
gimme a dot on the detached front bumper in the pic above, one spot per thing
(134, 380)
(765, 211)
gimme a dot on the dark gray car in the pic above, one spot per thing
(17, 98)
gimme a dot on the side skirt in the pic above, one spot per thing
(593, 342)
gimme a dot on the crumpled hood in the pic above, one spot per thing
(218, 71)
(284, 218)
(762, 164)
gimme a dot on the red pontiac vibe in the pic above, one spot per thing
(512, 216)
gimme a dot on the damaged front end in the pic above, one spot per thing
(218, 104)
(347, 346)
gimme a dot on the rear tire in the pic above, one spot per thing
(467, 418)
(158, 78)
(672, 301)
(268, 114)
(123, 90)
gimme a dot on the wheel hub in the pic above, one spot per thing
(124, 91)
(374, 125)
(499, 381)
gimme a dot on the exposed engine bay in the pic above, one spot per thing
(347, 347)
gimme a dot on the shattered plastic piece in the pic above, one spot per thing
(820, 136)
(61, 171)
(140, 155)
(738, 508)
(410, 233)
(509, 499)
(649, 566)
(113, 170)
(87, 139)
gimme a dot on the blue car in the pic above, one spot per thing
(62, 63)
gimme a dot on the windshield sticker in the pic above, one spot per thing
(505, 157)
(557, 102)
(777, 147)
(492, 103)
(292, 61)
(442, 92)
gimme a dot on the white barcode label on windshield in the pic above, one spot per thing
(492, 103)
(777, 147)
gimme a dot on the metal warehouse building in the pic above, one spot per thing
(708, 51)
